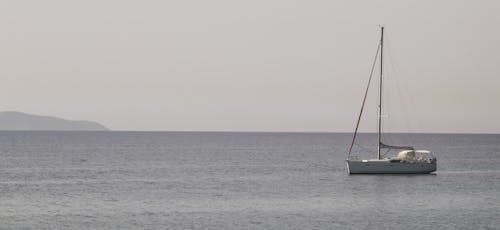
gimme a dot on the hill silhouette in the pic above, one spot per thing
(12, 120)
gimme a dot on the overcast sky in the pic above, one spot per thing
(271, 65)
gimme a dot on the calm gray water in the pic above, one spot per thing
(161, 180)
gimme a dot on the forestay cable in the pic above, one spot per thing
(364, 100)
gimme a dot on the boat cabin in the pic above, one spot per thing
(416, 155)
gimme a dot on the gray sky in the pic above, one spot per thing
(272, 65)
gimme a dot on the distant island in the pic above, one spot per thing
(11, 120)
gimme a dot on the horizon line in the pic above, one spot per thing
(223, 131)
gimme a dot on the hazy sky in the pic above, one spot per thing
(271, 65)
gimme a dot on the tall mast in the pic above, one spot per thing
(380, 93)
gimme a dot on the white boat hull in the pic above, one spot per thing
(385, 166)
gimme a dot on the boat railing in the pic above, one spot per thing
(353, 158)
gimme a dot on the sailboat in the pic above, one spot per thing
(407, 161)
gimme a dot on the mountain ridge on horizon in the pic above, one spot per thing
(14, 120)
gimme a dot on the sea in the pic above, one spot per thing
(238, 180)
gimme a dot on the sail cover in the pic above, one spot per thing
(384, 146)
